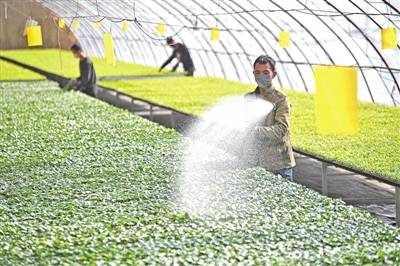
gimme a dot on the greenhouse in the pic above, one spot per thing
(199, 132)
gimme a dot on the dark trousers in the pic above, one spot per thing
(189, 71)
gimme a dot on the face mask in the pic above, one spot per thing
(263, 80)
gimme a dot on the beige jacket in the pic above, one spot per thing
(273, 145)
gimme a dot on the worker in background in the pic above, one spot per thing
(86, 82)
(273, 144)
(181, 53)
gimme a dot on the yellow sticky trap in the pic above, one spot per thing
(336, 100)
(76, 24)
(34, 36)
(284, 39)
(109, 49)
(61, 23)
(160, 28)
(389, 38)
(96, 25)
(125, 25)
(214, 34)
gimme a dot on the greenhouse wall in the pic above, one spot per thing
(13, 18)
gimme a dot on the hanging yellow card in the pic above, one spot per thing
(61, 23)
(160, 28)
(125, 25)
(34, 36)
(214, 34)
(109, 49)
(76, 24)
(284, 39)
(97, 25)
(336, 100)
(389, 38)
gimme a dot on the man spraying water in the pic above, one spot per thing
(235, 134)
(274, 151)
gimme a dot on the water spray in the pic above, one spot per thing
(221, 141)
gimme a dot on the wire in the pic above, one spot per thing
(139, 22)
(95, 18)
(97, 8)
(5, 11)
(140, 27)
(59, 52)
(77, 8)
(142, 30)
(134, 9)
(300, 10)
(367, 67)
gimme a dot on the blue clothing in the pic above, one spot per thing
(285, 172)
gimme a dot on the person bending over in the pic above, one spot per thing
(181, 53)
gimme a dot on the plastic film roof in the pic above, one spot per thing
(331, 32)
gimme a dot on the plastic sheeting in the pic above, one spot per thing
(322, 32)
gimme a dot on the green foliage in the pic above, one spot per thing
(12, 72)
(375, 149)
(189, 94)
(85, 183)
(63, 63)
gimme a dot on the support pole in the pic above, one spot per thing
(151, 112)
(173, 121)
(324, 178)
(132, 109)
(397, 196)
